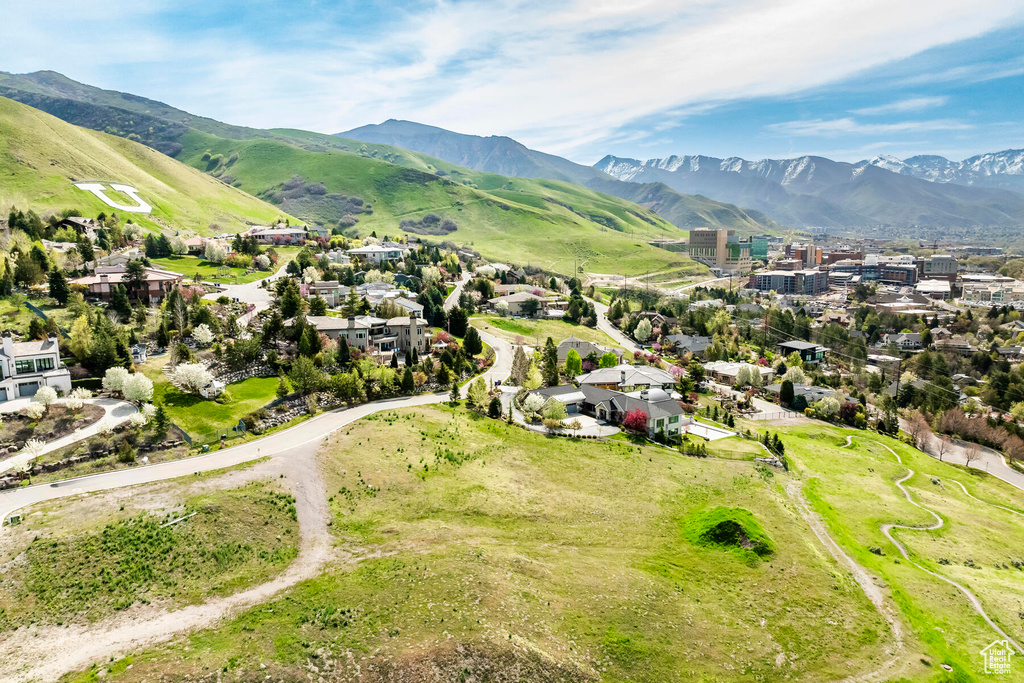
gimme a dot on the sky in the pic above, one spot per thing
(585, 78)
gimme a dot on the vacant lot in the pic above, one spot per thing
(535, 332)
(490, 553)
(853, 489)
(73, 560)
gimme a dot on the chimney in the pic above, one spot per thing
(622, 378)
(8, 345)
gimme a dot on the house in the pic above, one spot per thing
(158, 283)
(62, 247)
(26, 366)
(279, 235)
(519, 305)
(83, 226)
(1011, 353)
(685, 343)
(584, 348)
(726, 372)
(339, 257)
(811, 394)
(364, 331)
(375, 253)
(196, 245)
(663, 412)
(628, 378)
(318, 232)
(958, 346)
(331, 291)
(139, 353)
(809, 353)
(414, 308)
(118, 258)
(905, 341)
(940, 333)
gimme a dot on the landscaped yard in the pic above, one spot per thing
(535, 332)
(17, 317)
(205, 418)
(80, 559)
(486, 552)
(190, 266)
(57, 422)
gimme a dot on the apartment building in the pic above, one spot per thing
(803, 282)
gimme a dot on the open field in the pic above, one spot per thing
(81, 560)
(853, 489)
(535, 332)
(490, 552)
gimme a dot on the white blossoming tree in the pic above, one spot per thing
(215, 253)
(203, 334)
(35, 411)
(114, 379)
(33, 448)
(263, 262)
(192, 377)
(137, 420)
(45, 396)
(138, 388)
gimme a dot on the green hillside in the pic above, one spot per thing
(543, 223)
(40, 157)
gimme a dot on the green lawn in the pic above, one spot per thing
(19, 317)
(190, 266)
(853, 489)
(535, 332)
(206, 418)
(485, 552)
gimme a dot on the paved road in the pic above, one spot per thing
(453, 299)
(606, 326)
(249, 293)
(990, 460)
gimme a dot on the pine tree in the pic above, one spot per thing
(394, 360)
(344, 355)
(59, 287)
(454, 396)
(550, 371)
(408, 381)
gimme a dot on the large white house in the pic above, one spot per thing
(375, 253)
(26, 366)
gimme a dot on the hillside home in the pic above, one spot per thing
(158, 284)
(26, 366)
(809, 353)
(726, 372)
(363, 331)
(905, 341)
(663, 412)
(376, 254)
(685, 343)
(518, 306)
(280, 235)
(584, 348)
(628, 378)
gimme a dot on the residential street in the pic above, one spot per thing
(990, 460)
(249, 293)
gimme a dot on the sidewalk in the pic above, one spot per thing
(114, 410)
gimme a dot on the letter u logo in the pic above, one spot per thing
(98, 190)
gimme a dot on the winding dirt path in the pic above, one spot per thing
(887, 531)
(45, 654)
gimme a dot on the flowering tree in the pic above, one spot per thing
(74, 403)
(430, 275)
(35, 411)
(105, 426)
(827, 407)
(82, 393)
(215, 253)
(795, 375)
(138, 388)
(192, 377)
(33, 448)
(263, 262)
(502, 309)
(137, 420)
(203, 334)
(114, 379)
(643, 330)
(635, 420)
(45, 396)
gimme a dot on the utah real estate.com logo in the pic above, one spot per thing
(997, 657)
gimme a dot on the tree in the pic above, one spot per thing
(494, 408)
(827, 407)
(635, 421)
(795, 375)
(408, 381)
(608, 360)
(59, 287)
(919, 429)
(454, 395)
(573, 363)
(477, 393)
(344, 355)
(318, 306)
(472, 343)
(554, 410)
(532, 405)
(203, 334)
(643, 330)
(138, 388)
(135, 278)
(192, 377)
(305, 376)
(972, 453)
(458, 322)
(114, 379)
(520, 366)
(550, 369)
(161, 422)
(943, 445)
(214, 252)
(119, 302)
(533, 378)
(282, 387)
(45, 396)
(786, 393)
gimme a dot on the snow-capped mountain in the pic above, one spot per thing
(996, 169)
(816, 191)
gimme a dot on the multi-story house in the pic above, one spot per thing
(104, 279)
(26, 366)
(365, 331)
(375, 253)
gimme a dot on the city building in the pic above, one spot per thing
(803, 282)
(722, 249)
(26, 366)
(938, 267)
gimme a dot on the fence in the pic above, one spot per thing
(781, 415)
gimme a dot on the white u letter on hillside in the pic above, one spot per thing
(98, 190)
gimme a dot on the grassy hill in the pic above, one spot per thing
(40, 157)
(539, 222)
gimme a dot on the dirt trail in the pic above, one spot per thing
(45, 654)
(887, 529)
(868, 583)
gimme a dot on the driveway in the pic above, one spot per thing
(591, 426)
(249, 293)
(115, 411)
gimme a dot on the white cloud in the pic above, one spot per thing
(847, 126)
(557, 80)
(903, 106)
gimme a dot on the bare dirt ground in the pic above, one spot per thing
(44, 654)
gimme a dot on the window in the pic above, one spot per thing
(673, 419)
(24, 367)
(660, 423)
(44, 364)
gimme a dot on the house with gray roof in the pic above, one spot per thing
(663, 412)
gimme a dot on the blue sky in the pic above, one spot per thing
(645, 78)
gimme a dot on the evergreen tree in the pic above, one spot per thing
(394, 360)
(550, 366)
(344, 355)
(59, 287)
(454, 395)
(318, 306)
(408, 381)
(520, 366)
(161, 422)
(119, 302)
(472, 343)
(458, 322)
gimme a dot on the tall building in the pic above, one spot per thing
(721, 249)
(938, 267)
(805, 282)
